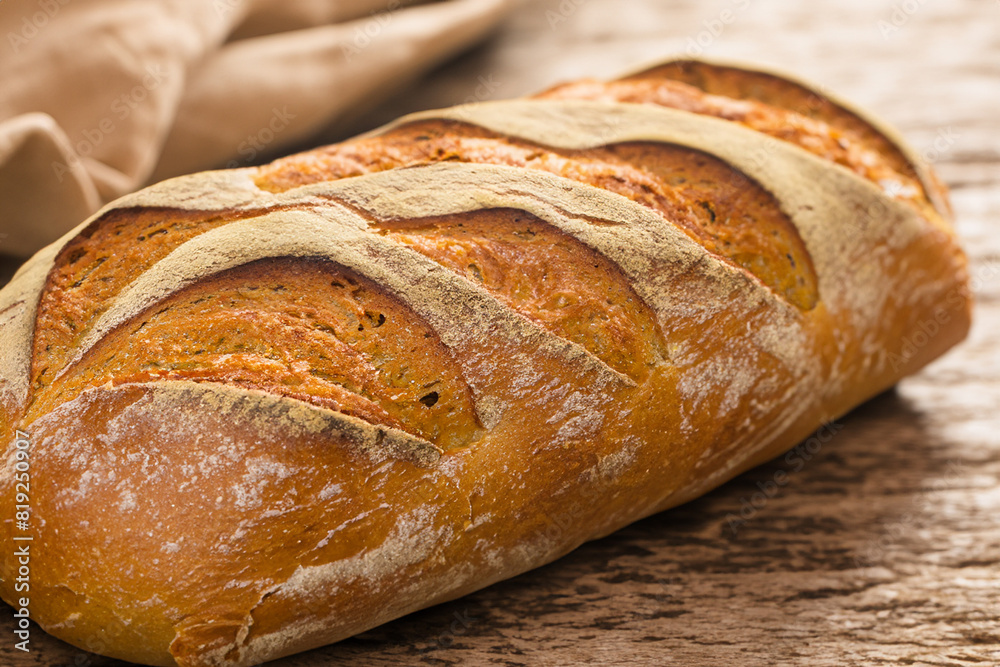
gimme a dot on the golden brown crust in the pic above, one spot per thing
(545, 275)
(283, 405)
(851, 128)
(716, 205)
(356, 350)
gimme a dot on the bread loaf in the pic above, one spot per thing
(268, 408)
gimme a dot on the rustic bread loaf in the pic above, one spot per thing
(269, 408)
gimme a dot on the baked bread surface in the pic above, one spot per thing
(270, 408)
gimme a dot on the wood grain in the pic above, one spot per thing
(883, 548)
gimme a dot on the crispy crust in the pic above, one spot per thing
(774, 86)
(231, 522)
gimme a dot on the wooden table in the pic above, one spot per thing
(884, 548)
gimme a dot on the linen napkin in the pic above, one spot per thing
(100, 97)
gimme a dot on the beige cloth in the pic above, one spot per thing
(99, 97)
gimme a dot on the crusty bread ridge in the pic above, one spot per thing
(270, 408)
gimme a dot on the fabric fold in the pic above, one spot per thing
(99, 98)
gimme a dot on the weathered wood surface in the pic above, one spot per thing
(884, 547)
